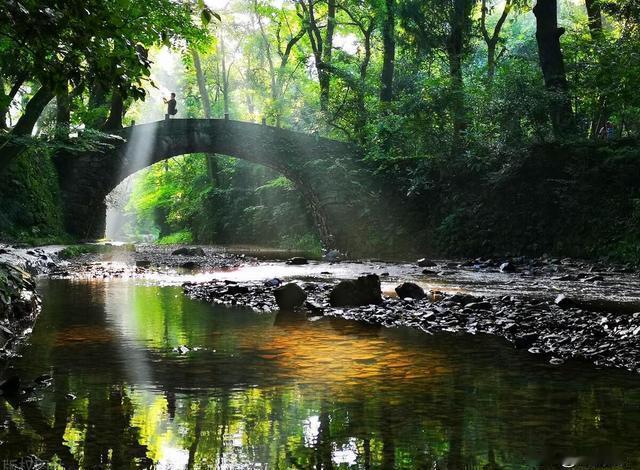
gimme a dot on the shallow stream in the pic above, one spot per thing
(143, 375)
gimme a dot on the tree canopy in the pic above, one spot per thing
(424, 87)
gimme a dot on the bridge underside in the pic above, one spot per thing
(318, 167)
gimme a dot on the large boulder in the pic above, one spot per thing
(290, 296)
(410, 290)
(362, 291)
(425, 263)
(297, 260)
(187, 251)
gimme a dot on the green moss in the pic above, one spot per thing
(30, 211)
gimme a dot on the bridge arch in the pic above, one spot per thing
(86, 179)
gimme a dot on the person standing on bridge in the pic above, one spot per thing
(171, 106)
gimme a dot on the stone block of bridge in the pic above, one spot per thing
(318, 167)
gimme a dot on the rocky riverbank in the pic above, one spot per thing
(558, 327)
(19, 307)
(19, 300)
(128, 261)
(597, 318)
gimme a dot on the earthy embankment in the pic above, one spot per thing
(19, 301)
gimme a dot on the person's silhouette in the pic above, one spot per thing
(171, 106)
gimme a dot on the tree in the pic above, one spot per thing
(492, 39)
(99, 46)
(277, 74)
(389, 52)
(322, 46)
(552, 64)
(456, 44)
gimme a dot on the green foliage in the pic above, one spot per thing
(30, 210)
(103, 43)
(75, 251)
(243, 204)
(451, 157)
(182, 237)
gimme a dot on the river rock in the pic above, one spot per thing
(275, 282)
(425, 263)
(482, 305)
(314, 309)
(235, 289)
(187, 251)
(290, 296)
(352, 293)
(464, 299)
(297, 260)
(332, 256)
(507, 268)
(189, 265)
(526, 340)
(563, 302)
(410, 290)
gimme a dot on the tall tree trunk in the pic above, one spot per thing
(280, 81)
(594, 14)
(116, 112)
(491, 62)
(97, 104)
(202, 84)
(552, 65)
(10, 97)
(225, 78)
(63, 112)
(32, 111)
(24, 127)
(361, 119)
(389, 52)
(321, 50)
(600, 114)
(212, 163)
(492, 39)
(324, 76)
(267, 52)
(460, 19)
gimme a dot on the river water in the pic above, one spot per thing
(277, 391)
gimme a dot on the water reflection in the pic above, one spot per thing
(275, 391)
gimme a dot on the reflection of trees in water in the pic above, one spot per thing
(473, 411)
(471, 419)
(104, 420)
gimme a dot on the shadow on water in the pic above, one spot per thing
(283, 392)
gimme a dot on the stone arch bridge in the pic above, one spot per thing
(312, 163)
